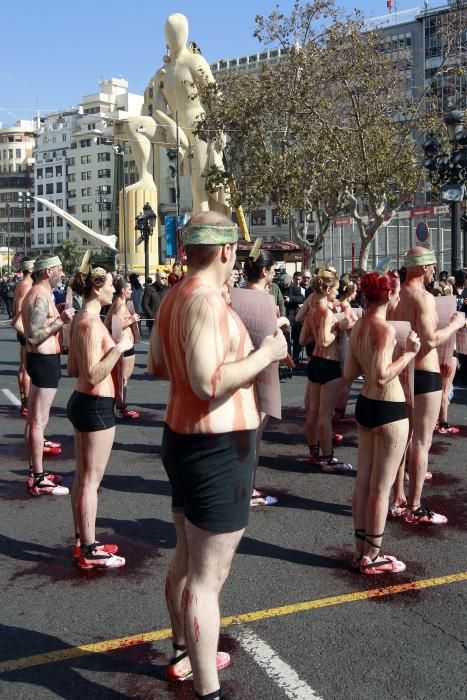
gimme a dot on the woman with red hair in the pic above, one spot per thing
(382, 417)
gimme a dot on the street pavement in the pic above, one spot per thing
(298, 622)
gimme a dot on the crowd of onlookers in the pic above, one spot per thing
(289, 291)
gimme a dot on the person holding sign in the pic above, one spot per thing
(417, 306)
(92, 356)
(208, 448)
(382, 417)
(324, 370)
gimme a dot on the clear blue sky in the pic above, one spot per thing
(52, 53)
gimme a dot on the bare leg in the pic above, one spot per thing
(362, 486)
(447, 379)
(210, 557)
(128, 365)
(390, 441)
(327, 402)
(24, 381)
(312, 415)
(342, 398)
(259, 436)
(425, 415)
(40, 401)
(93, 452)
(175, 584)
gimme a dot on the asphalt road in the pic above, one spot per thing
(304, 624)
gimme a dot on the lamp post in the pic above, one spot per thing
(24, 201)
(101, 199)
(144, 223)
(449, 171)
(8, 236)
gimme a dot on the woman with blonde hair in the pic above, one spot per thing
(324, 370)
(92, 356)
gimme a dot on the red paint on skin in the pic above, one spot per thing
(214, 381)
(168, 587)
(188, 599)
(196, 629)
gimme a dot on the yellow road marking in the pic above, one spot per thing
(135, 639)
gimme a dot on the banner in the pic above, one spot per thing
(403, 329)
(259, 314)
(171, 234)
(445, 307)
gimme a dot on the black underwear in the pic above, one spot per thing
(44, 370)
(425, 382)
(21, 339)
(322, 371)
(88, 414)
(129, 353)
(371, 413)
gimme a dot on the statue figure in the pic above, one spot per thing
(171, 96)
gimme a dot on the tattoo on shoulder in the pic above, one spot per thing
(40, 311)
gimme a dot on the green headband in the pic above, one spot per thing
(45, 263)
(206, 234)
(27, 265)
(428, 258)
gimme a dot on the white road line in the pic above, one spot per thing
(10, 395)
(280, 672)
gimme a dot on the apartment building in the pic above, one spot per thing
(16, 183)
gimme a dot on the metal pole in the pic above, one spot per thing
(455, 251)
(124, 223)
(8, 236)
(52, 232)
(146, 251)
(177, 189)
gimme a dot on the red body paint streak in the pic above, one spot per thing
(188, 599)
(196, 629)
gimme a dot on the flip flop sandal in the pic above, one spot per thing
(222, 661)
(92, 558)
(386, 565)
(330, 464)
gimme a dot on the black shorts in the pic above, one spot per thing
(44, 370)
(371, 413)
(88, 414)
(322, 371)
(21, 339)
(211, 477)
(425, 382)
(129, 353)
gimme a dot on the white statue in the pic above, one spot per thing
(172, 94)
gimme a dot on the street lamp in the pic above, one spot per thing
(145, 223)
(25, 202)
(449, 171)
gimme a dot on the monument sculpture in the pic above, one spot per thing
(170, 112)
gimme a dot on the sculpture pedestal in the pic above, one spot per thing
(131, 203)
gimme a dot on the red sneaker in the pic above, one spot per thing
(50, 443)
(40, 485)
(107, 548)
(51, 450)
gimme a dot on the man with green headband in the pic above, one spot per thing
(417, 306)
(208, 447)
(42, 325)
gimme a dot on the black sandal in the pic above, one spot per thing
(170, 673)
(215, 695)
(329, 463)
(359, 535)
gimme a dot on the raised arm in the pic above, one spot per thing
(431, 337)
(386, 369)
(94, 368)
(40, 328)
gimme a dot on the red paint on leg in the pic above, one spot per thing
(196, 629)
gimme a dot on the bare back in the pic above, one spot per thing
(322, 324)
(120, 309)
(22, 288)
(372, 343)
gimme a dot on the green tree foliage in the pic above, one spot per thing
(332, 125)
(71, 254)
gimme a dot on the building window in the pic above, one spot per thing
(40, 189)
(59, 187)
(103, 173)
(71, 161)
(49, 188)
(86, 175)
(59, 203)
(258, 217)
(86, 159)
(49, 172)
(103, 157)
(277, 220)
(40, 172)
(58, 170)
(18, 152)
(72, 177)
(86, 208)
(40, 222)
(40, 239)
(85, 143)
(59, 236)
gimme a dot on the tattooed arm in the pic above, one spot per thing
(40, 327)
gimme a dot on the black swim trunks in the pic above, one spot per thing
(371, 413)
(426, 382)
(21, 339)
(88, 414)
(322, 371)
(44, 370)
(211, 477)
(129, 353)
